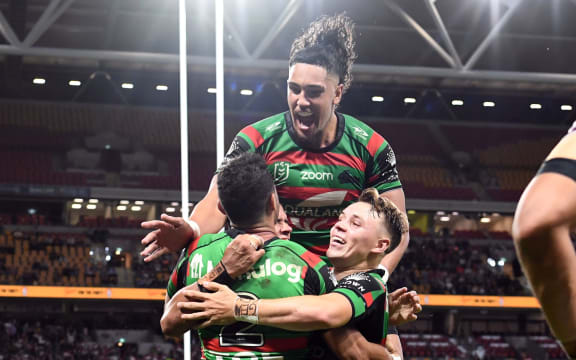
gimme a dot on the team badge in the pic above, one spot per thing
(281, 171)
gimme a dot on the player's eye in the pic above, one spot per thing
(294, 88)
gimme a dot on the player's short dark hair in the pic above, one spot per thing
(394, 220)
(327, 42)
(244, 188)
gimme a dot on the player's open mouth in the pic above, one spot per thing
(338, 240)
(304, 119)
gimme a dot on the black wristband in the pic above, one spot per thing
(223, 278)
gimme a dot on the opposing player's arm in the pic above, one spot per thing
(391, 260)
(545, 215)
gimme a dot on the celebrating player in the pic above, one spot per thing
(321, 159)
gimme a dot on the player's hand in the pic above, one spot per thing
(403, 305)
(170, 234)
(207, 309)
(242, 253)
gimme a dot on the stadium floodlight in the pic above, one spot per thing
(502, 261)
(377, 99)
(127, 86)
(174, 203)
(38, 81)
(455, 213)
(566, 107)
(91, 206)
(485, 220)
(440, 213)
(445, 218)
(409, 100)
(78, 200)
(93, 201)
(161, 87)
(136, 208)
(457, 102)
(211, 90)
(118, 251)
(108, 258)
(535, 106)
(74, 83)
(491, 262)
(170, 209)
(138, 202)
(76, 206)
(91, 253)
(246, 92)
(488, 104)
(124, 202)
(121, 207)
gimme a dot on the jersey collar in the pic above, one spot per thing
(297, 141)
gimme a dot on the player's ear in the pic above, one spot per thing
(381, 246)
(338, 95)
(273, 203)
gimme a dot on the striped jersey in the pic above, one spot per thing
(314, 185)
(368, 296)
(287, 269)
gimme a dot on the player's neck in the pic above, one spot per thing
(265, 231)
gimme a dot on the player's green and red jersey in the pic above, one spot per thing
(314, 186)
(287, 269)
(368, 297)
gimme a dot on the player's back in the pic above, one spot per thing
(286, 269)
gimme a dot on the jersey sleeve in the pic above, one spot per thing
(247, 140)
(365, 293)
(178, 277)
(318, 278)
(382, 173)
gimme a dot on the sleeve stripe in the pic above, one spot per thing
(311, 258)
(376, 140)
(254, 135)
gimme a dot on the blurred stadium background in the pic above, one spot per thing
(471, 94)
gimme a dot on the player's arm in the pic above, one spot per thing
(173, 233)
(391, 260)
(545, 215)
(240, 255)
(349, 343)
(299, 313)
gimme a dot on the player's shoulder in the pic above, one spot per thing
(365, 282)
(268, 127)
(209, 240)
(360, 132)
(311, 259)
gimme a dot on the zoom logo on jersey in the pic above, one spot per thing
(277, 268)
(312, 175)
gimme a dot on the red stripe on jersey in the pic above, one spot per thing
(174, 277)
(368, 298)
(308, 158)
(270, 345)
(297, 192)
(304, 270)
(193, 245)
(311, 258)
(383, 341)
(254, 135)
(374, 144)
(319, 250)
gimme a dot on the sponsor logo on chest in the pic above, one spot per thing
(292, 272)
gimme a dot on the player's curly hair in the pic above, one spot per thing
(395, 221)
(244, 188)
(328, 42)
